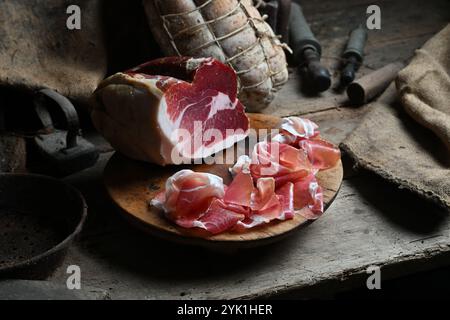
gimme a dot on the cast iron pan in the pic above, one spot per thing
(39, 218)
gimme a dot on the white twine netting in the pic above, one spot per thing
(251, 22)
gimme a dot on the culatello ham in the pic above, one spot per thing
(171, 110)
(275, 183)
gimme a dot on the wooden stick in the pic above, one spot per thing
(368, 87)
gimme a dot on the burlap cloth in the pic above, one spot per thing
(37, 49)
(405, 136)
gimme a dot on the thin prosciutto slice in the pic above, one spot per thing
(300, 127)
(274, 159)
(240, 190)
(268, 205)
(264, 197)
(322, 155)
(286, 197)
(242, 165)
(187, 195)
(219, 217)
(308, 197)
(304, 134)
(295, 129)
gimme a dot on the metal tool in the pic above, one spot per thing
(307, 52)
(353, 55)
(65, 151)
(284, 13)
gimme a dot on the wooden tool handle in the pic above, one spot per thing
(368, 87)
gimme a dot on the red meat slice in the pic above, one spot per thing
(171, 110)
(219, 217)
(193, 200)
(239, 192)
(286, 197)
(274, 159)
(308, 194)
(295, 129)
(290, 177)
(323, 155)
(188, 195)
(300, 127)
(268, 205)
(264, 197)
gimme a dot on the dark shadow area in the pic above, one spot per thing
(129, 40)
(399, 206)
(431, 285)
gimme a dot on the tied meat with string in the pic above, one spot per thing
(232, 31)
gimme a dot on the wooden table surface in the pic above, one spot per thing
(370, 223)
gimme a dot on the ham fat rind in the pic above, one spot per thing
(231, 31)
(171, 110)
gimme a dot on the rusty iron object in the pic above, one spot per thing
(39, 219)
(353, 55)
(284, 14)
(307, 52)
(65, 151)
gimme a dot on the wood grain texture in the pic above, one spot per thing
(132, 184)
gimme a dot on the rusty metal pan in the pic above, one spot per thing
(39, 219)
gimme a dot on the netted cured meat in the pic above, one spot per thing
(231, 31)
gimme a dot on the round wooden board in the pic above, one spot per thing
(132, 184)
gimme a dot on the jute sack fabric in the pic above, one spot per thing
(405, 136)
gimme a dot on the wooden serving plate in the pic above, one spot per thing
(132, 184)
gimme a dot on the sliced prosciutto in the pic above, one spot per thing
(240, 190)
(242, 165)
(194, 200)
(269, 205)
(274, 159)
(322, 154)
(300, 127)
(171, 110)
(187, 195)
(305, 135)
(219, 217)
(295, 129)
(308, 197)
(276, 183)
(286, 197)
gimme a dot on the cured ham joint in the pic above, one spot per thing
(171, 110)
